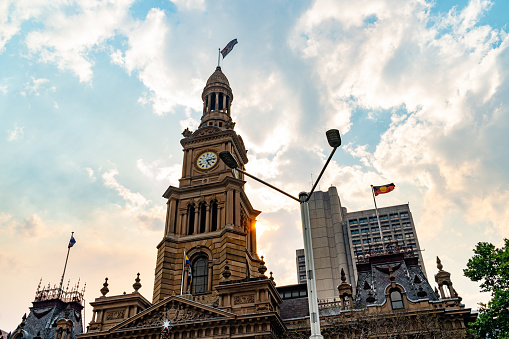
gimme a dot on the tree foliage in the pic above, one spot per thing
(490, 266)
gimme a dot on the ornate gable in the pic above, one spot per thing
(177, 310)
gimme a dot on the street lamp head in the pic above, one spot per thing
(228, 159)
(333, 138)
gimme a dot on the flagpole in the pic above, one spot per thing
(65, 266)
(378, 218)
(218, 56)
(183, 267)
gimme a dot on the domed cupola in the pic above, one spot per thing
(217, 98)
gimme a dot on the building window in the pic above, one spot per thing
(355, 231)
(409, 235)
(190, 219)
(394, 216)
(371, 219)
(200, 275)
(374, 229)
(220, 101)
(203, 217)
(384, 217)
(353, 222)
(357, 252)
(356, 242)
(396, 226)
(387, 238)
(302, 267)
(404, 214)
(386, 227)
(398, 236)
(377, 239)
(412, 245)
(213, 205)
(301, 257)
(396, 300)
(365, 230)
(363, 220)
(302, 277)
(406, 224)
(366, 241)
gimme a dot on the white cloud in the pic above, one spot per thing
(34, 85)
(15, 134)
(133, 200)
(190, 4)
(157, 170)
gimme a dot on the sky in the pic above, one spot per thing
(94, 96)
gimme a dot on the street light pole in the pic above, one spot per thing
(334, 140)
(314, 318)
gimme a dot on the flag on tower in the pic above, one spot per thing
(190, 270)
(383, 189)
(72, 241)
(228, 48)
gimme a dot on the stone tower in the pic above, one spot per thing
(208, 215)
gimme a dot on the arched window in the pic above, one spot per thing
(200, 275)
(213, 215)
(203, 217)
(220, 103)
(212, 101)
(190, 219)
(396, 300)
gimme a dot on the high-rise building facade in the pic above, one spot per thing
(340, 238)
(300, 260)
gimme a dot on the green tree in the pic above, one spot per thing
(490, 265)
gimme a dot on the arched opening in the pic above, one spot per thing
(396, 300)
(190, 218)
(200, 276)
(213, 210)
(445, 288)
(203, 217)
(220, 103)
(212, 101)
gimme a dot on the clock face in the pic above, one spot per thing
(207, 160)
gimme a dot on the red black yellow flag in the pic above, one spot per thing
(383, 189)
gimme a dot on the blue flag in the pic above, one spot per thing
(71, 242)
(228, 48)
(190, 271)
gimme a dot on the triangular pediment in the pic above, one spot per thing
(176, 309)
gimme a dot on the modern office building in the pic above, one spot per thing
(340, 238)
(300, 260)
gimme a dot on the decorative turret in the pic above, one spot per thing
(217, 97)
(443, 278)
(345, 292)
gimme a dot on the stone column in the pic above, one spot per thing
(224, 102)
(209, 282)
(208, 102)
(207, 217)
(217, 101)
(183, 224)
(229, 208)
(196, 219)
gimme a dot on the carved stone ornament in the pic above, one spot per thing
(243, 299)
(115, 314)
(174, 312)
(206, 130)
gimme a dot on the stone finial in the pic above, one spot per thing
(105, 289)
(23, 321)
(262, 269)
(272, 279)
(137, 284)
(439, 264)
(226, 272)
(187, 133)
(343, 276)
(67, 311)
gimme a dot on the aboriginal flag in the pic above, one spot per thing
(228, 48)
(383, 189)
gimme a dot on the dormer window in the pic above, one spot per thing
(396, 300)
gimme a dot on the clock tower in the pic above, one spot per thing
(208, 215)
